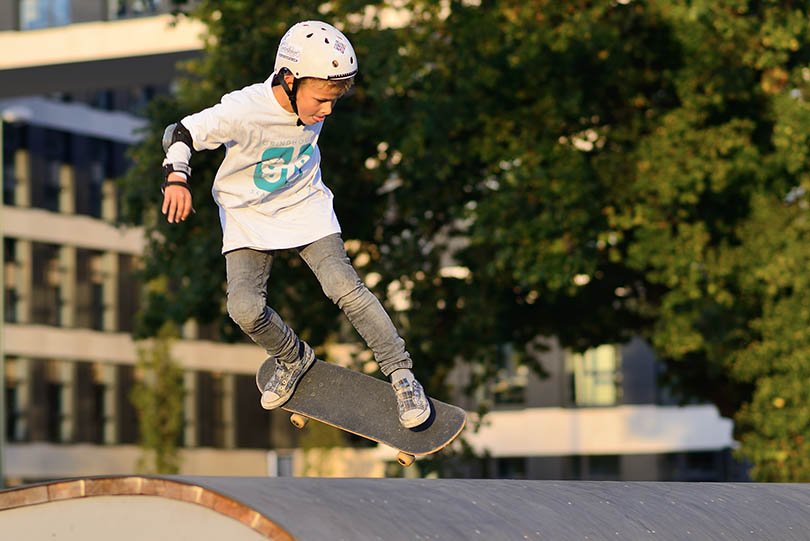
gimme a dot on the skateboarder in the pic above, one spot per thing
(271, 197)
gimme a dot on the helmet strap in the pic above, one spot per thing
(291, 92)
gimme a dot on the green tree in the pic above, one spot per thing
(775, 423)
(158, 400)
(710, 193)
(589, 170)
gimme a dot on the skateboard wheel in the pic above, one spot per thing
(298, 421)
(405, 459)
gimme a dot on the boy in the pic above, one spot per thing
(271, 197)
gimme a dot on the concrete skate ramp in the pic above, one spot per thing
(236, 509)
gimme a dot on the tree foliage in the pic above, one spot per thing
(158, 400)
(591, 170)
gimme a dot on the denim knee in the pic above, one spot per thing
(245, 310)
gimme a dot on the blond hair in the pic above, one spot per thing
(340, 85)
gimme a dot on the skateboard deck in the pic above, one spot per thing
(366, 406)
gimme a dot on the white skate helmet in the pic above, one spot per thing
(316, 49)
(313, 49)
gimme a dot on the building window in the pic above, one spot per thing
(697, 466)
(510, 468)
(13, 137)
(595, 376)
(89, 165)
(14, 418)
(604, 467)
(596, 468)
(90, 407)
(116, 161)
(53, 398)
(10, 270)
(36, 14)
(210, 421)
(129, 291)
(127, 415)
(280, 464)
(511, 378)
(89, 289)
(252, 421)
(49, 150)
(45, 411)
(11, 398)
(46, 291)
(284, 465)
(102, 99)
(121, 9)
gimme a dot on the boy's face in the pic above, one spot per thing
(316, 101)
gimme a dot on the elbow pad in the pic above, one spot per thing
(177, 144)
(177, 133)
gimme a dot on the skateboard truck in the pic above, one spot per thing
(300, 421)
(405, 459)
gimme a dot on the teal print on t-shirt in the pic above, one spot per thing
(277, 166)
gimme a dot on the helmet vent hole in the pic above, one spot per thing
(309, 35)
(334, 63)
(326, 40)
(351, 60)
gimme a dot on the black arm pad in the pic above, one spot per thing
(169, 168)
(177, 133)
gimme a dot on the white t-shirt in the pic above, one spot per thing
(269, 187)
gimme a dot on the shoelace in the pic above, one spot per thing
(282, 379)
(408, 395)
(404, 389)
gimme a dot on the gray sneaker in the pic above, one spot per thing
(412, 403)
(282, 383)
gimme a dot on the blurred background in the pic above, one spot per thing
(589, 220)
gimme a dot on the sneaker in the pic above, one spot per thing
(412, 403)
(282, 383)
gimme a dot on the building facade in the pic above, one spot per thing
(70, 98)
(600, 415)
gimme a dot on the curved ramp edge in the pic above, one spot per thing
(172, 488)
(312, 509)
(407, 509)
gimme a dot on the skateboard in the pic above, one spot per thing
(365, 406)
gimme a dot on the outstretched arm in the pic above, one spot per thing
(205, 130)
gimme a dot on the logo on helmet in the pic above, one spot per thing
(340, 46)
(290, 52)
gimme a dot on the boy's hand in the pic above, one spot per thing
(177, 200)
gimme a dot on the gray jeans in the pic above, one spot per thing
(248, 272)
